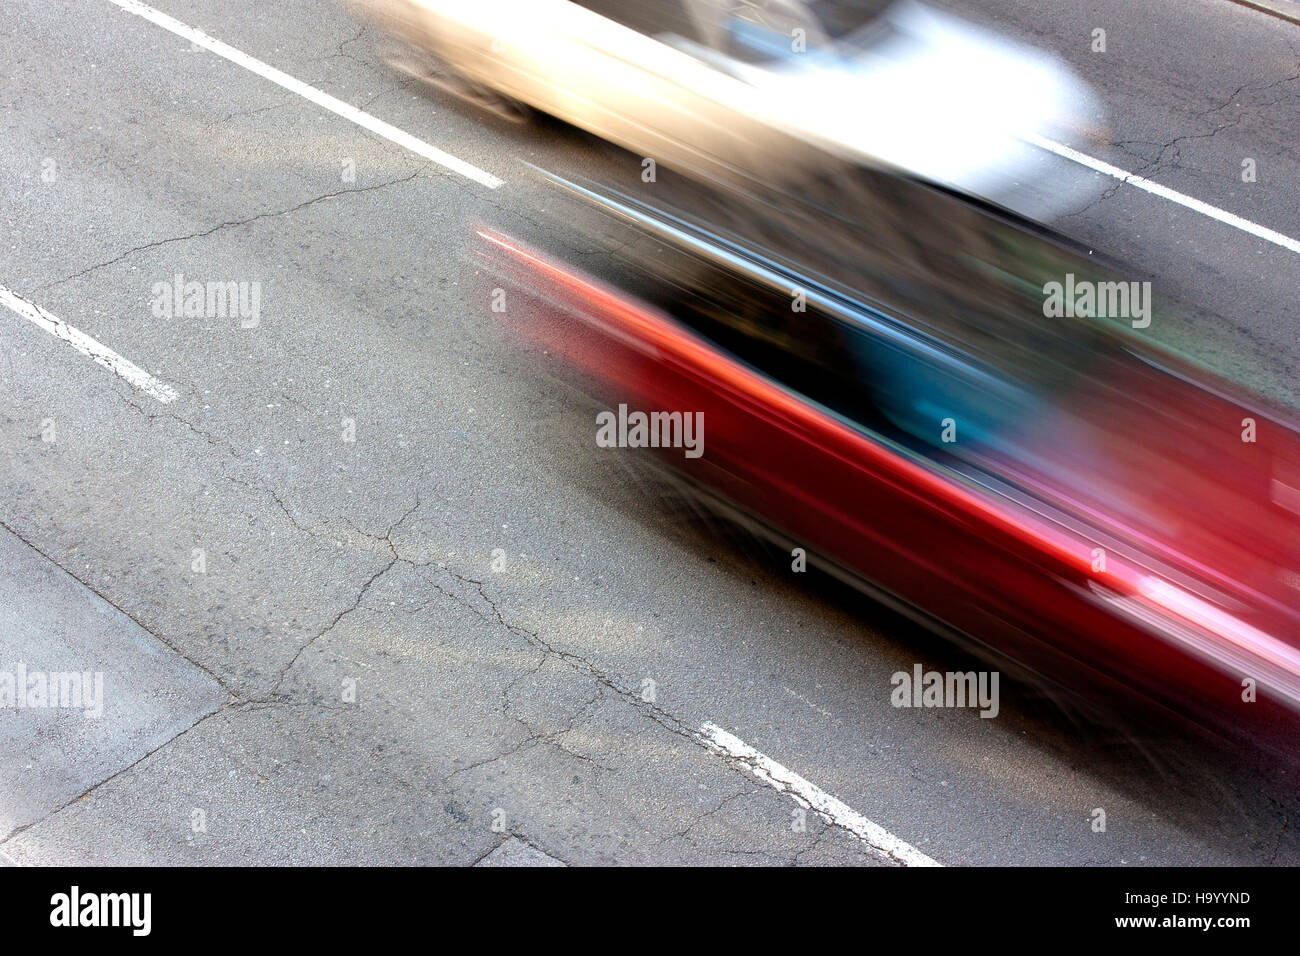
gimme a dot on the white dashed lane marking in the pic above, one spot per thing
(293, 85)
(806, 794)
(88, 347)
(1164, 192)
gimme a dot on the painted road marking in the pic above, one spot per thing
(1164, 192)
(334, 105)
(87, 346)
(807, 794)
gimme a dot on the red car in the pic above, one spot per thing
(1136, 523)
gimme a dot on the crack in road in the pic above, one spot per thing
(1147, 166)
(232, 224)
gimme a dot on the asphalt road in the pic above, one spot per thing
(365, 592)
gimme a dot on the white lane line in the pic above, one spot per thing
(337, 106)
(1164, 192)
(830, 809)
(87, 346)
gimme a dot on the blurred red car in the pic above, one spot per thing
(1138, 526)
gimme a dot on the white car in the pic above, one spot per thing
(761, 88)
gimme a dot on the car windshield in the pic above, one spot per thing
(761, 31)
(839, 18)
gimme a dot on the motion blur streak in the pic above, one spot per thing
(1210, 617)
(658, 336)
(1013, 573)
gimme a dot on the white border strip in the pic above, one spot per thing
(1164, 192)
(831, 810)
(87, 346)
(336, 106)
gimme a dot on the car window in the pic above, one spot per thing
(764, 31)
(839, 18)
(759, 31)
(654, 18)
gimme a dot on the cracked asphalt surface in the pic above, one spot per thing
(466, 637)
